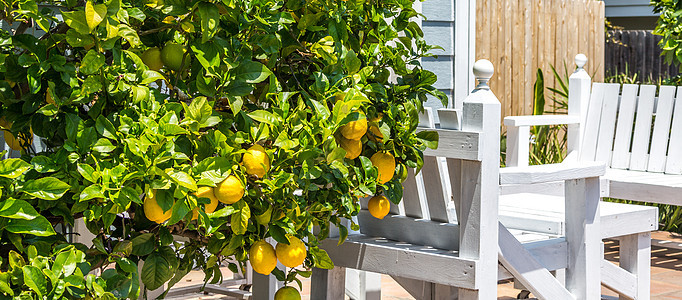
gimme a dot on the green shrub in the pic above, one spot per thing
(141, 98)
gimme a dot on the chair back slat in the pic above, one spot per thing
(626, 116)
(607, 123)
(589, 144)
(411, 198)
(661, 132)
(433, 186)
(673, 163)
(640, 139)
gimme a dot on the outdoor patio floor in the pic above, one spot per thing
(666, 276)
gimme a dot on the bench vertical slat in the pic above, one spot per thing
(433, 187)
(411, 199)
(607, 123)
(673, 164)
(640, 139)
(589, 144)
(626, 117)
(659, 137)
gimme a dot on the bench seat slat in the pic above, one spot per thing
(626, 116)
(659, 137)
(640, 139)
(673, 164)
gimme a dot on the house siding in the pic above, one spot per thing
(628, 8)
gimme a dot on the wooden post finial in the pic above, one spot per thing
(483, 70)
(580, 60)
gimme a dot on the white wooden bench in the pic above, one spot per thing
(442, 241)
(600, 129)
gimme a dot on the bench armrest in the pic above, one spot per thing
(538, 120)
(551, 172)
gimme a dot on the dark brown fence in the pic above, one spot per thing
(636, 52)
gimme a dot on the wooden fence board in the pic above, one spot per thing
(637, 52)
(520, 36)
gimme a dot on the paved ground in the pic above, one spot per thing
(666, 277)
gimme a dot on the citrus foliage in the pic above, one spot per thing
(155, 101)
(669, 27)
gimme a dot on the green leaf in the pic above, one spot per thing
(144, 244)
(267, 117)
(105, 128)
(321, 258)
(210, 17)
(13, 167)
(76, 20)
(94, 14)
(92, 62)
(183, 179)
(93, 191)
(252, 72)
(352, 62)
(429, 138)
(155, 271)
(17, 209)
(46, 188)
(103, 146)
(35, 280)
(240, 220)
(88, 173)
(39, 226)
(149, 76)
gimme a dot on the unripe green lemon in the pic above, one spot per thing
(152, 58)
(172, 54)
(287, 293)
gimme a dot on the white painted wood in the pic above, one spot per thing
(550, 172)
(624, 127)
(518, 140)
(578, 96)
(265, 286)
(583, 237)
(591, 133)
(403, 259)
(635, 255)
(326, 284)
(416, 231)
(454, 168)
(479, 184)
(456, 144)
(640, 139)
(550, 253)
(619, 280)
(433, 186)
(659, 137)
(418, 289)
(449, 118)
(411, 201)
(363, 285)
(523, 266)
(607, 123)
(465, 45)
(538, 120)
(673, 164)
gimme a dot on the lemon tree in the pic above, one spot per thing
(240, 125)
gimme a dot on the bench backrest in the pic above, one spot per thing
(456, 191)
(635, 127)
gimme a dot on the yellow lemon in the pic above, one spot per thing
(376, 132)
(385, 163)
(152, 58)
(205, 192)
(172, 55)
(264, 218)
(379, 206)
(353, 147)
(256, 161)
(354, 130)
(263, 258)
(153, 211)
(287, 293)
(229, 190)
(291, 255)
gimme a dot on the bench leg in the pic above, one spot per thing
(635, 253)
(264, 287)
(583, 236)
(363, 285)
(328, 284)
